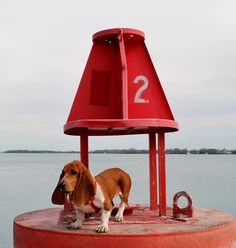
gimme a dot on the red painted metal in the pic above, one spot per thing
(124, 74)
(153, 171)
(142, 229)
(84, 149)
(113, 33)
(182, 212)
(119, 127)
(162, 172)
(120, 92)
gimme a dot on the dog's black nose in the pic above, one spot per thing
(62, 186)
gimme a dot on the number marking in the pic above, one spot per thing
(138, 98)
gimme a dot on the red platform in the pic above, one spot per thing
(143, 229)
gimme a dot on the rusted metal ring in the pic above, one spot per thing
(186, 212)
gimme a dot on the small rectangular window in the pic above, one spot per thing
(100, 88)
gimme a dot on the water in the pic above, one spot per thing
(28, 180)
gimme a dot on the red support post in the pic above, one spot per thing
(162, 172)
(123, 75)
(84, 151)
(153, 170)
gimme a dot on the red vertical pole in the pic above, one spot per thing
(162, 172)
(123, 75)
(68, 206)
(153, 170)
(84, 151)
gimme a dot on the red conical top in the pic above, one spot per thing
(119, 92)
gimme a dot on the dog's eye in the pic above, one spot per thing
(73, 172)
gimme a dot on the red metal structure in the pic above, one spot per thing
(120, 94)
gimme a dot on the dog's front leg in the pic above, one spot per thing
(103, 227)
(79, 220)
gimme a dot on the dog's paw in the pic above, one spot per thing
(102, 229)
(118, 218)
(74, 225)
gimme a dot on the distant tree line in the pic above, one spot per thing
(200, 151)
(39, 151)
(136, 151)
(120, 151)
(168, 151)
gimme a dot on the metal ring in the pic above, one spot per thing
(185, 212)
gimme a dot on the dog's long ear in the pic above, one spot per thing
(58, 197)
(85, 187)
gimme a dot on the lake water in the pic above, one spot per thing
(28, 180)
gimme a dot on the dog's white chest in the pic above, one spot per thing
(97, 201)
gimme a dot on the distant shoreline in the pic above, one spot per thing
(134, 151)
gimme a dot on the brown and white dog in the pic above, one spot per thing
(92, 194)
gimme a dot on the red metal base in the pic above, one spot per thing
(143, 228)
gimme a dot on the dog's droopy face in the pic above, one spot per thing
(75, 179)
(69, 176)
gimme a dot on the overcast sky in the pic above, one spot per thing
(44, 46)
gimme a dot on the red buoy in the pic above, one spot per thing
(120, 94)
(142, 229)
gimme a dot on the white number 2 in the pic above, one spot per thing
(137, 98)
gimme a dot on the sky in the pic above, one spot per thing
(44, 46)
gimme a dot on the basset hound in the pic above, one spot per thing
(92, 194)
